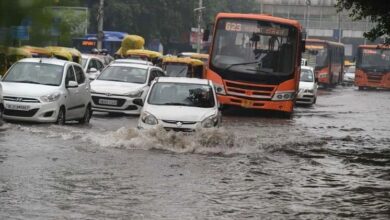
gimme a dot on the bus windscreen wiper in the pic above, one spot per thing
(239, 64)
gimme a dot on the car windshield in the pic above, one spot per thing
(124, 74)
(35, 73)
(176, 70)
(84, 62)
(374, 58)
(307, 75)
(182, 94)
(254, 47)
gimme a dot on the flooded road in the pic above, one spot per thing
(330, 161)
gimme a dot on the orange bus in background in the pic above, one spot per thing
(255, 61)
(327, 58)
(373, 67)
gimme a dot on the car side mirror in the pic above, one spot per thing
(72, 84)
(92, 70)
(139, 102)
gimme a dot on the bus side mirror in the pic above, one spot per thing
(206, 35)
(303, 46)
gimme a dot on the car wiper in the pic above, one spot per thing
(239, 64)
(26, 81)
(175, 103)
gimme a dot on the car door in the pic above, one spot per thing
(83, 94)
(72, 97)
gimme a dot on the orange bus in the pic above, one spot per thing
(255, 61)
(373, 67)
(327, 58)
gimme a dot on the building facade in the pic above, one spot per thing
(321, 20)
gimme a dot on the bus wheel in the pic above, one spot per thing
(361, 88)
(286, 115)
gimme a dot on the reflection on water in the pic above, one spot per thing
(328, 162)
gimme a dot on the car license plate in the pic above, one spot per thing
(17, 107)
(246, 103)
(108, 102)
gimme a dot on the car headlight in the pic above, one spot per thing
(51, 98)
(283, 96)
(210, 121)
(148, 118)
(219, 89)
(135, 94)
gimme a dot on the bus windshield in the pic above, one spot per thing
(254, 47)
(374, 58)
(320, 53)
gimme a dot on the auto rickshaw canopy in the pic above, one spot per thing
(38, 51)
(184, 60)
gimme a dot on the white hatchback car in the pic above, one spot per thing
(92, 65)
(180, 104)
(308, 86)
(119, 84)
(46, 90)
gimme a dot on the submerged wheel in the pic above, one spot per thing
(314, 101)
(61, 117)
(361, 88)
(87, 115)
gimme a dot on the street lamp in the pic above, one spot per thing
(199, 38)
(308, 3)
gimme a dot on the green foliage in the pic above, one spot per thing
(167, 20)
(377, 11)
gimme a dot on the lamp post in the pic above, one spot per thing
(199, 38)
(100, 34)
(308, 3)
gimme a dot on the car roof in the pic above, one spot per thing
(53, 61)
(133, 61)
(135, 65)
(307, 68)
(184, 80)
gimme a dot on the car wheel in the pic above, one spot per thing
(314, 101)
(1, 112)
(87, 115)
(61, 118)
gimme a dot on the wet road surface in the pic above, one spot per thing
(330, 161)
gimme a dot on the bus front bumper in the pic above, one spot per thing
(285, 106)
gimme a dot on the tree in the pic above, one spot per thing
(377, 11)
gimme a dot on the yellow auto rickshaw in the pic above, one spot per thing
(65, 53)
(130, 42)
(38, 51)
(152, 56)
(183, 67)
(14, 54)
(200, 56)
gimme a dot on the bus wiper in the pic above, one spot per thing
(240, 64)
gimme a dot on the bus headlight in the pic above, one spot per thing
(219, 89)
(283, 96)
(148, 118)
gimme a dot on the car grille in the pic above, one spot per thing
(29, 113)
(182, 122)
(375, 78)
(254, 91)
(120, 102)
(20, 99)
(179, 129)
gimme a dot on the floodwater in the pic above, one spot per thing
(330, 161)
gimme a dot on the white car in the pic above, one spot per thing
(349, 75)
(308, 86)
(92, 65)
(119, 84)
(180, 104)
(46, 90)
